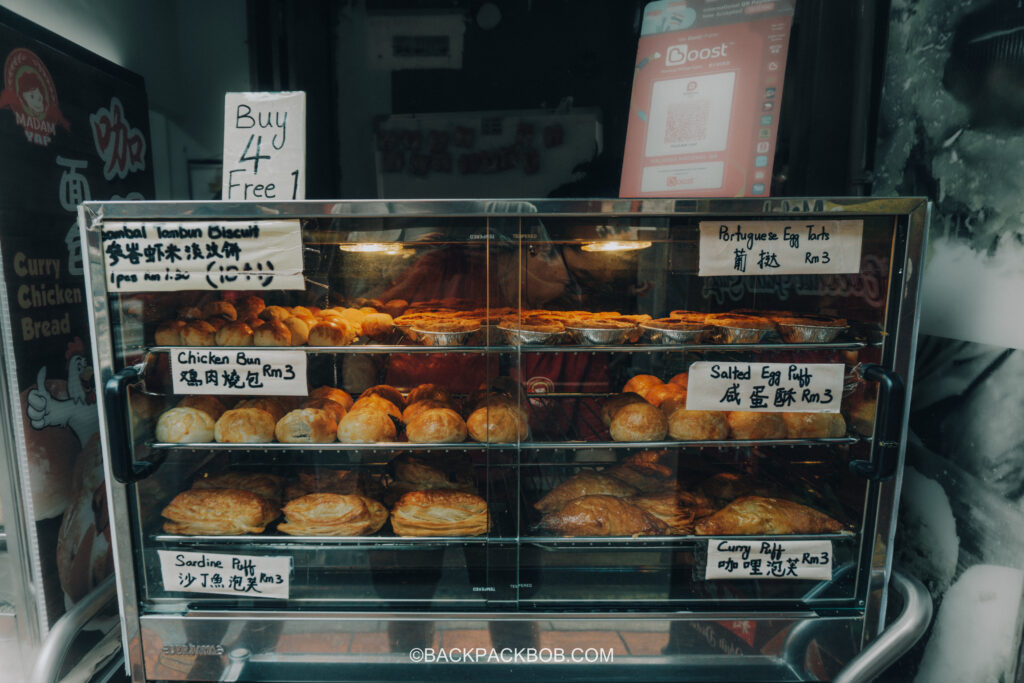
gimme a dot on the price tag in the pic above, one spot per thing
(752, 559)
(209, 371)
(164, 257)
(805, 247)
(766, 387)
(251, 576)
(264, 146)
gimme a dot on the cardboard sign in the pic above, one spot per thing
(766, 387)
(730, 558)
(264, 146)
(209, 371)
(172, 256)
(249, 576)
(803, 247)
(707, 91)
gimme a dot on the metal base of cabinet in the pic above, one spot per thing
(513, 647)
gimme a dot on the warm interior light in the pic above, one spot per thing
(612, 245)
(372, 247)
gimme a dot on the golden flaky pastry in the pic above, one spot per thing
(438, 425)
(245, 425)
(612, 405)
(366, 426)
(751, 425)
(814, 425)
(583, 483)
(602, 516)
(211, 405)
(638, 422)
(698, 425)
(306, 425)
(754, 515)
(440, 513)
(498, 423)
(333, 394)
(184, 425)
(218, 512)
(332, 514)
(676, 510)
(261, 483)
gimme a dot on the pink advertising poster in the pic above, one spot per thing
(707, 91)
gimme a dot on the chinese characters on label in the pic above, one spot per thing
(255, 371)
(780, 247)
(250, 576)
(752, 559)
(766, 387)
(154, 257)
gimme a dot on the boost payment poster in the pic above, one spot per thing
(707, 91)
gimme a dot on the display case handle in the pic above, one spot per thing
(891, 401)
(115, 393)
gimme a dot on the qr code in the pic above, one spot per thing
(687, 121)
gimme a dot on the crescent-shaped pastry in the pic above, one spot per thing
(602, 516)
(218, 512)
(332, 514)
(267, 485)
(440, 512)
(756, 515)
(584, 483)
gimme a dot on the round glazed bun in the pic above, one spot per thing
(332, 394)
(682, 379)
(277, 313)
(746, 425)
(336, 332)
(698, 425)
(395, 307)
(269, 404)
(184, 425)
(438, 425)
(417, 407)
(223, 309)
(190, 313)
(498, 424)
(431, 391)
(366, 426)
(378, 326)
(638, 422)
(657, 395)
(250, 307)
(198, 333)
(615, 403)
(814, 425)
(169, 333)
(299, 329)
(336, 410)
(274, 333)
(245, 425)
(641, 384)
(210, 405)
(234, 334)
(375, 402)
(306, 425)
(385, 391)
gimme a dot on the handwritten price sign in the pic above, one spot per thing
(805, 247)
(277, 373)
(746, 559)
(251, 576)
(162, 257)
(766, 387)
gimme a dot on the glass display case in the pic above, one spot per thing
(390, 440)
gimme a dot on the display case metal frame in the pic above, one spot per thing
(867, 620)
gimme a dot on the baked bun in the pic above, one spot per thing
(267, 485)
(641, 384)
(299, 329)
(198, 333)
(190, 313)
(210, 405)
(333, 514)
(245, 425)
(814, 425)
(250, 307)
(274, 333)
(431, 391)
(746, 425)
(277, 313)
(442, 512)
(698, 425)
(657, 395)
(185, 425)
(217, 322)
(414, 409)
(378, 326)
(218, 512)
(366, 426)
(270, 404)
(673, 403)
(336, 410)
(169, 333)
(385, 391)
(332, 394)
(331, 333)
(302, 312)
(395, 307)
(682, 379)
(615, 403)
(438, 425)
(498, 423)
(306, 425)
(235, 334)
(223, 309)
(375, 402)
(638, 422)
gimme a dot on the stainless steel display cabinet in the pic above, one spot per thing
(536, 312)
